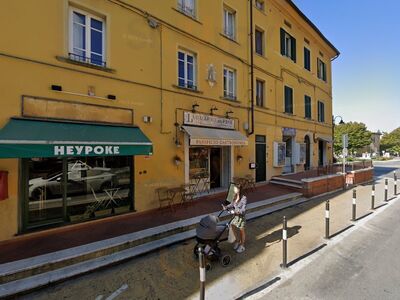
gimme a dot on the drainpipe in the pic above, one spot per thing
(161, 86)
(251, 69)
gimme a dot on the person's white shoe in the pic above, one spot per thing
(235, 245)
(240, 249)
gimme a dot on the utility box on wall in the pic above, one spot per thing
(3, 185)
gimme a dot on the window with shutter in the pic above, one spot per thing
(307, 107)
(288, 45)
(259, 41)
(307, 59)
(288, 100)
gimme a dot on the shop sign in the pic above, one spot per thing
(289, 131)
(207, 121)
(215, 142)
(79, 150)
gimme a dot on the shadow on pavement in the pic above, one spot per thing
(276, 236)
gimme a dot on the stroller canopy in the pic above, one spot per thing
(207, 228)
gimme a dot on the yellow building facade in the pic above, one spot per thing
(198, 101)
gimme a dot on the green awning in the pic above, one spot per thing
(42, 138)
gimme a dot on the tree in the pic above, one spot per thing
(359, 136)
(391, 141)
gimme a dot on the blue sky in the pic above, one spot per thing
(366, 74)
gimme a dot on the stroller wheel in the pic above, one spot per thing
(208, 266)
(225, 260)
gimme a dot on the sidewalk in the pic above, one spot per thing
(52, 240)
(173, 272)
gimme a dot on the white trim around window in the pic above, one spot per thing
(188, 7)
(229, 83)
(87, 37)
(229, 23)
(187, 69)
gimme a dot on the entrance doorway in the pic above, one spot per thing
(308, 153)
(215, 167)
(289, 154)
(261, 154)
(321, 153)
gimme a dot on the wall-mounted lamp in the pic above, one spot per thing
(228, 113)
(194, 106)
(212, 110)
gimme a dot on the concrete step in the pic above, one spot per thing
(31, 273)
(297, 185)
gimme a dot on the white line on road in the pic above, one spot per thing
(117, 292)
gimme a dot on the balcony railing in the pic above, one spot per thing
(87, 60)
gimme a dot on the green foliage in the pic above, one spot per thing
(359, 136)
(391, 141)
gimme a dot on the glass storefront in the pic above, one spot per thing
(209, 167)
(77, 189)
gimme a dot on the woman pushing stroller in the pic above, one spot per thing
(238, 208)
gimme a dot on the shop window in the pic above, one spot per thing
(87, 38)
(88, 187)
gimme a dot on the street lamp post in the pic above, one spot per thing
(333, 131)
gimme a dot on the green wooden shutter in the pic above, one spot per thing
(282, 41)
(293, 40)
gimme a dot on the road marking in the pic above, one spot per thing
(99, 297)
(117, 292)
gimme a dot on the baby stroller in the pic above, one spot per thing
(208, 235)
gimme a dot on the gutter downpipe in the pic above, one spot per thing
(251, 69)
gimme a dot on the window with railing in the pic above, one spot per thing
(87, 38)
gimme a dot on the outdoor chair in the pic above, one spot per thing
(189, 193)
(164, 198)
(251, 183)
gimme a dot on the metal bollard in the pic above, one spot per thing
(353, 218)
(373, 197)
(386, 190)
(202, 267)
(395, 182)
(327, 219)
(284, 243)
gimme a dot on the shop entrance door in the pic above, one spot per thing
(321, 153)
(215, 168)
(261, 154)
(288, 168)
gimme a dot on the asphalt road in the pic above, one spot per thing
(386, 168)
(364, 265)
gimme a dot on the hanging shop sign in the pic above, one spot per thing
(195, 119)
